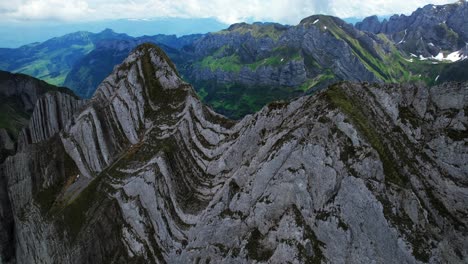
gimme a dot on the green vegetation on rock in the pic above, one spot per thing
(229, 63)
(257, 30)
(351, 106)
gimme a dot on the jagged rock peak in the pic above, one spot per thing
(146, 65)
(143, 94)
(371, 24)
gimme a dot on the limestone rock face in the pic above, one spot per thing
(145, 173)
(49, 117)
(18, 96)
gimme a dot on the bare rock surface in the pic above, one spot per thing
(145, 173)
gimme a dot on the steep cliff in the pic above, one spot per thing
(18, 96)
(145, 173)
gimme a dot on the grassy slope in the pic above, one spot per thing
(259, 31)
(236, 100)
(51, 66)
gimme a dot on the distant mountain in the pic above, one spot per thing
(354, 20)
(64, 60)
(53, 59)
(16, 34)
(240, 69)
(427, 32)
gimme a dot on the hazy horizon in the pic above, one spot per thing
(23, 22)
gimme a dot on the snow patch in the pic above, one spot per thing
(439, 56)
(325, 27)
(403, 39)
(437, 78)
(315, 22)
(421, 57)
(431, 44)
(453, 57)
(456, 56)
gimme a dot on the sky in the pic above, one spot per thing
(225, 11)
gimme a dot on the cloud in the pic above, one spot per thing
(48, 10)
(228, 11)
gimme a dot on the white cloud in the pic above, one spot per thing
(228, 11)
(47, 10)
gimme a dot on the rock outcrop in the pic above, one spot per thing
(145, 173)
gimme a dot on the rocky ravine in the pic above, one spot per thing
(145, 173)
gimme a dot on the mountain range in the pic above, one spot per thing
(240, 69)
(16, 33)
(144, 172)
(321, 142)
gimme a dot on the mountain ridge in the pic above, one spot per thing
(144, 172)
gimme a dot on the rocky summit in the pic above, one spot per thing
(145, 173)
